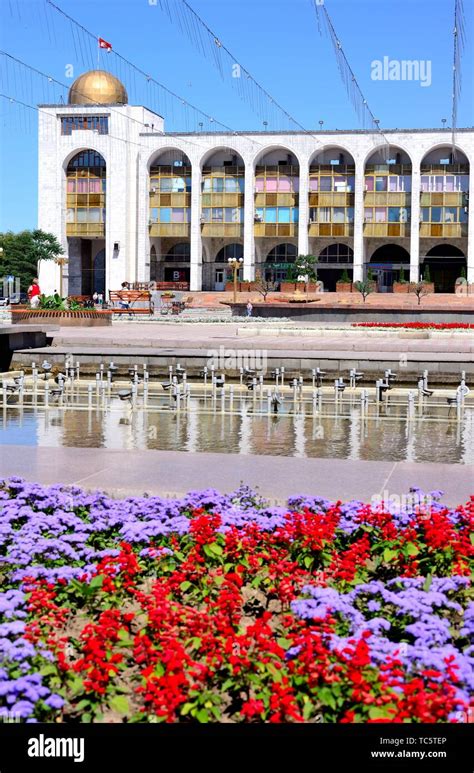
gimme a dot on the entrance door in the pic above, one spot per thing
(219, 282)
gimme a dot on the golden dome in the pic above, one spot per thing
(97, 87)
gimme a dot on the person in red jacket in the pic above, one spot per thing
(34, 293)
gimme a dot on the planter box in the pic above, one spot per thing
(82, 318)
(401, 287)
(429, 285)
(291, 287)
(343, 287)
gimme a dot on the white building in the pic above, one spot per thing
(129, 201)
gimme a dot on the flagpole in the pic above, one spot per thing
(98, 54)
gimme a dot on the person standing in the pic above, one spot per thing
(249, 309)
(34, 293)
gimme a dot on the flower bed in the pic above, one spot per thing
(221, 608)
(418, 325)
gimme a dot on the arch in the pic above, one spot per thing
(258, 159)
(379, 149)
(233, 250)
(179, 252)
(445, 263)
(391, 253)
(222, 150)
(445, 147)
(444, 251)
(327, 151)
(88, 158)
(77, 151)
(168, 154)
(337, 253)
(282, 253)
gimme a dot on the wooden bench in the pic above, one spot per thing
(130, 297)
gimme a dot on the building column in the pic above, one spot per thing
(359, 247)
(196, 239)
(470, 229)
(415, 225)
(249, 210)
(303, 211)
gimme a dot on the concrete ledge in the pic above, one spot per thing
(276, 477)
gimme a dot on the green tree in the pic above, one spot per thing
(427, 275)
(22, 252)
(364, 288)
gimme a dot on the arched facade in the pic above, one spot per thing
(85, 185)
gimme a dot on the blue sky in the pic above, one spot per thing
(278, 42)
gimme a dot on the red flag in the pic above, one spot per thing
(103, 44)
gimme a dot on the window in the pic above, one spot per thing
(380, 184)
(380, 214)
(436, 214)
(313, 184)
(218, 184)
(450, 214)
(98, 123)
(324, 214)
(165, 215)
(369, 184)
(284, 184)
(283, 214)
(326, 183)
(216, 214)
(425, 214)
(394, 215)
(177, 215)
(369, 215)
(350, 214)
(270, 215)
(154, 214)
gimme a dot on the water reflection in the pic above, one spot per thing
(206, 426)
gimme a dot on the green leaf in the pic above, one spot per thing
(215, 548)
(326, 697)
(202, 715)
(308, 561)
(412, 549)
(47, 670)
(471, 536)
(185, 585)
(388, 554)
(186, 709)
(97, 582)
(375, 712)
(119, 703)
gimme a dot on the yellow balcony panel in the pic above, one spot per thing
(169, 229)
(453, 199)
(331, 229)
(180, 199)
(275, 229)
(387, 230)
(222, 229)
(85, 229)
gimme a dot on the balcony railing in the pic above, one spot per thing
(275, 229)
(169, 229)
(443, 230)
(85, 229)
(331, 229)
(222, 229)
(387, 229)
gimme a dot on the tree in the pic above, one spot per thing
(305, 266)
(263, 285)
(344, 278)
(401, 277)
(421, 289)
(364, 288)
(22, 252)
(427, 275)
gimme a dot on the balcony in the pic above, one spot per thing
(169, 199)
(331, 199)
(275, 229)
(85, 229)
(331, 229)
(386, 199)
(276, 199)
(169, 229)
(222, 229)
(444, 230)
(386, 230)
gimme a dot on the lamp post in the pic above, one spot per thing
(61, 262)
(235, 264)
